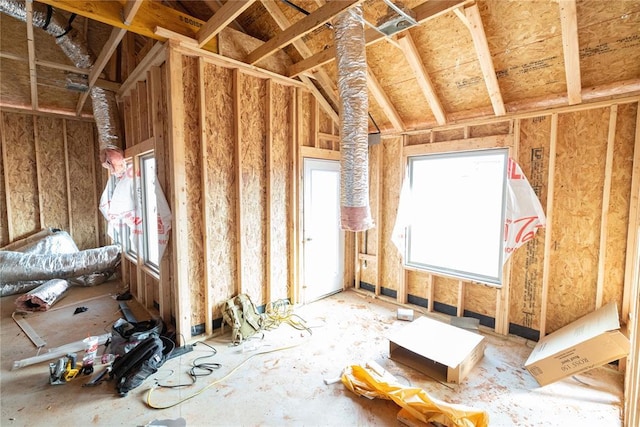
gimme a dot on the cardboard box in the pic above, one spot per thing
(589, 342)
(441, 351)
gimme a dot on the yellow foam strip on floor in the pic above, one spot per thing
(364, 381)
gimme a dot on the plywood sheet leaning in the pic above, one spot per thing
(527, 262)
(52, 171)
(609, 41)
(219, 172)
(281, 129)
(82, 201)
(617, 222)
(525, 41)
(193, 171)
(252, 175)
(579, 179)
(20, 171)
(392, 270)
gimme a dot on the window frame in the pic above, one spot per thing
(505, 141)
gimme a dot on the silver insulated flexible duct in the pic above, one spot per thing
(355, 214)
(72, 44)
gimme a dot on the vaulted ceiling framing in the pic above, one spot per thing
(463, 60)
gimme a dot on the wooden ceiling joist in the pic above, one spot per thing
(301, 28)
(150, 15)
(384, 102)
(321, 76)
(413, 58)
(472, 19)
(223, 17)
(33, 78)
(571, 49)
(424, 12)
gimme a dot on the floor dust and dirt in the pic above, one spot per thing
(286, 387)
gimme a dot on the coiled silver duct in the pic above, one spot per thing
(355, 213)
(76, 49)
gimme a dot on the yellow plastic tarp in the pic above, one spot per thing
(365, 381)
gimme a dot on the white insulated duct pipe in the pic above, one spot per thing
(104, 104)
(355, 213)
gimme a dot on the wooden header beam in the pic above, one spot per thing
(301, 28)
(150, 14)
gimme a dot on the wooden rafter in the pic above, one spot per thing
(472, 19)
(105, 54)
(130, 9)
(322, 77)
(384, 102)
(424, 12)
(215, 5)
(301, 28)
(571, 49)
(413, 58)
(223, 17)
(33, 78)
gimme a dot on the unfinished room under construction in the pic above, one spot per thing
(320, 213)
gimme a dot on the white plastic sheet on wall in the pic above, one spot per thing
(124, 206)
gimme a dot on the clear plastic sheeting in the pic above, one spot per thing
(17, 266)
(76, 49)
(372, 381)
(44, 296)
(351, 60)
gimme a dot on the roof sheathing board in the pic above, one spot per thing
(609, 40)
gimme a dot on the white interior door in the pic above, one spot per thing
(323, 238)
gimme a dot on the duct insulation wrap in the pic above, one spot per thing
(48, 241)
(77, 50)
(355, 213)
(44, 296)
(20, 267)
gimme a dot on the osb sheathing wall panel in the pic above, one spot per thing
(83, 203)
(221, 198)
(391, 178)
(618, 218)
(20, 170)
(52, 171)
(282, 103)
(579, 177)
(252, 176)
(527, 262)
(193, 166)
(579, 181)
(369, 238)
(308, 104)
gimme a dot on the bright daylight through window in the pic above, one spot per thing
(455, 214)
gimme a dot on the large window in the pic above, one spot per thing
(455, 214)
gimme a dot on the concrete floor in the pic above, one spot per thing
(285, 388)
